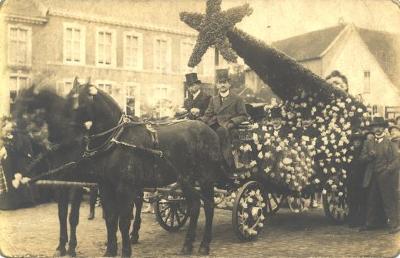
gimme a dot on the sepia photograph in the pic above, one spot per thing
(188, 128)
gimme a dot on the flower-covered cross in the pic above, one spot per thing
(212, 28)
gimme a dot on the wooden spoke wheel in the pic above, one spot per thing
(296, 204)
(335, 205)
(248, 211)
(273, 202)
(171, 213)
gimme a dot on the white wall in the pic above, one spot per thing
(352, 59)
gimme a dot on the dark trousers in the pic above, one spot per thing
(226, 145)
(383, 200)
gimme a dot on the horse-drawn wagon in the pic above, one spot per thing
(253, 198)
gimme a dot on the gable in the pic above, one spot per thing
(385, 48)
(26, 8)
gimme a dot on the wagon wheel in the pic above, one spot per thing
(274, 202)
(296, 204)
(171, 214)
(248, 211)
(335, 205)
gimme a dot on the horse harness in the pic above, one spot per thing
(116, 132)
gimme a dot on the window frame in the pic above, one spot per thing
(168, 40)
(82, 43)
(106, 82)
(18, 75)
(184, 59)
(139, 63)
(136, 96)
(367, 82)
(113, 47)
(28, 62)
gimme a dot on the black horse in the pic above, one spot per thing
(129, 156)
(62, 132)
(53, 109)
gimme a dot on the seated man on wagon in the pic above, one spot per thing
(197, 101)
(225, 112)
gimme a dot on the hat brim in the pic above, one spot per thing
(192, 83)
(383, 124)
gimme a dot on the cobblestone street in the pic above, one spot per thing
(33, 232)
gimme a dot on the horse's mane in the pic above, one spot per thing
(110, 101)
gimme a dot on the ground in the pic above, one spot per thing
(33, 232)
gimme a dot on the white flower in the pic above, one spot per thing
(255, 137)
(253, 163)
(267, 170)
(267, 154)
(340, 194)
(317, 181)
(259, 147)
(260, 155)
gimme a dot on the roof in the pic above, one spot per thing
(310, 45)
(384, 47)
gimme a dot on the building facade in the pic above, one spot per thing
(139, 60)
(369, 59)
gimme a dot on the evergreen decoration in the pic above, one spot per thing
(312, 149)
(212, 28)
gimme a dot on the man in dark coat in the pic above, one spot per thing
(385, 161)
(356, 193)
(197, 101)
(225, 112)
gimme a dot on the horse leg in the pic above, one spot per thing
(111, 218)
(92, 202)
(74, 219)
(125, 216)
(193, 202)
(62, 203)
(207, 191)
(137, 220)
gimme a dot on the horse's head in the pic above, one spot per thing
(94, 109)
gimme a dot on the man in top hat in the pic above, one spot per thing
(224, 113)
(197, 101)
(383, 157)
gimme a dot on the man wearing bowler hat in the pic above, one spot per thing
(383, 157)
(197, 101)
(224, 113)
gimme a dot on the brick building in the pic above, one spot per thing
(135, 50)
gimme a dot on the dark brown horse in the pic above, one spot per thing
(130, 157)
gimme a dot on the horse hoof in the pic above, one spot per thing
(110, 254)
(204, 250)
(186, 250)
(134, 240)
(71, 253)
(59, 252)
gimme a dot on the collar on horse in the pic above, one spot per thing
(113, 139)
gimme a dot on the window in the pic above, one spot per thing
(186, 50)
(162, 55)
(64, 87)
(367, 81)
(162, 102)
(105, 86)
(105, 48)
(19, 48)
(74, 44)
(133, 99)
(133, 50)
(17, 82)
